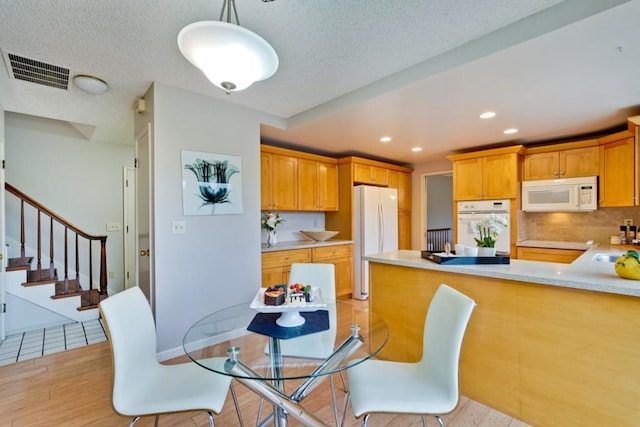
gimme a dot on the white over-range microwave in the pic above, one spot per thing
(560, 195)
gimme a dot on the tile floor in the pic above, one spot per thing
(19, 347)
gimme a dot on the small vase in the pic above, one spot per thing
(483, 251)
(272, 240)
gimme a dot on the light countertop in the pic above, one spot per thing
(552, 244)
(584, 273)
(303, 244)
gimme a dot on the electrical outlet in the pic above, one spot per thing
(628, 221)
(178, 227)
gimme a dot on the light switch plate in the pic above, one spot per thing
(113, 226)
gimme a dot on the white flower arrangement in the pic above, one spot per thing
(488, 229)
(270, 221)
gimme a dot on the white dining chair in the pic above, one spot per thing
(426, 387)
(322, 344)
(143, 386)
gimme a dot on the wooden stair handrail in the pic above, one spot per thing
(11, 189)
(67, 226)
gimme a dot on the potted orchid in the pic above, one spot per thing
(487, 231)
(270, 222)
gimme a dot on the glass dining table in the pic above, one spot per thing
(264, 349)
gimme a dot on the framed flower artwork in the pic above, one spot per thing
(211, 183)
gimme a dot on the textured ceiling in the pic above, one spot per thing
(350, 70)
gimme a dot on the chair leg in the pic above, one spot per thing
(365, 420)
(155, 424)
(346, 406)
(134, 421)
(440, 421)
(424, 421)
(333, 400)
(210, 415)
(235, 403)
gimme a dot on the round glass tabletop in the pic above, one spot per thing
(332, 338)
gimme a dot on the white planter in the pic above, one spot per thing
(482, 251)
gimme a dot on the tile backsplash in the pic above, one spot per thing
(575, 226)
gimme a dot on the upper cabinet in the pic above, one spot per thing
(317, 186)
(619, 169)
(488, 174)
(278, 182)
(570, 160)
(370, 174)
(297, 181)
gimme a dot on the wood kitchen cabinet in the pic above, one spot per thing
(564, 256)
(317, 185)
(369, 174)
(401, 181)
(618, 170)
(278, 182)
(570, 160)
(488, 174)
(341, 256)
(276, 265)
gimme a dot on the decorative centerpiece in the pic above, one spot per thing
(301, 293)
(275, 295)
(487, 231)
(270, 222)
(628, 265)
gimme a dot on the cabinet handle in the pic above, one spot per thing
(562, 173)
(556, 173)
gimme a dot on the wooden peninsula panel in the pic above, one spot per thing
(548, 355)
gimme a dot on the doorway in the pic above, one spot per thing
(437, 216)
(144, 237)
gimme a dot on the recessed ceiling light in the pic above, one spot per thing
(385, 139)
(416, 149)
(510, 131)
(487, 115)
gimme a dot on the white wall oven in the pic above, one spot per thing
(471, 211)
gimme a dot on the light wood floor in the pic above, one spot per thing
(73, 388)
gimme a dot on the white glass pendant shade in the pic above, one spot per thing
(231, 57)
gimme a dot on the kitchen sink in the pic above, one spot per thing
(606, 257)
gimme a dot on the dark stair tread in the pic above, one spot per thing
(73, 289)
(19, 263)
(40, 277)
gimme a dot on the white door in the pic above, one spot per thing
(130, 235)
(3, 246)
(144, 242)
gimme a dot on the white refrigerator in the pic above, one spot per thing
(375, 230)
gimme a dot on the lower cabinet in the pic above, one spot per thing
(277, 265)
(564, 256)
(341, 256)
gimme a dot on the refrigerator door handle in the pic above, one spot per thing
(380, 227)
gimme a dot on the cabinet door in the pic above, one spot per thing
(540, 166)
(617, 173)
(500, 177)
(265, 182)
(327, 187)
(284, 182)
(402, 182)
(564, 256)
(467, 179)
(366, 174)
(307, 185)
(404, 229)
(274, 276)
(344, 277)
(579, 162)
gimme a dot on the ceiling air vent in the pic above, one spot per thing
(33, 71)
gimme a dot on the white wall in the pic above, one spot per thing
(217, 262)
(78, 179)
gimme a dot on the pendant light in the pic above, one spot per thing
(230, 56)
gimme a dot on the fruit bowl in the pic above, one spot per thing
(319, 235)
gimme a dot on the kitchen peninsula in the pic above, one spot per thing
(551, 344)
